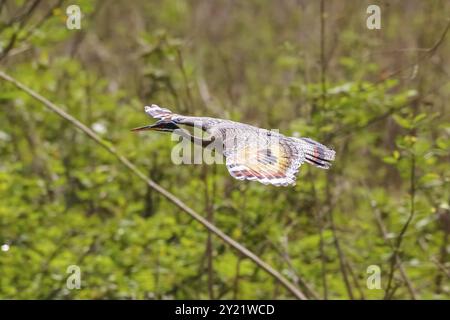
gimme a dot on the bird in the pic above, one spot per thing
(251, 153)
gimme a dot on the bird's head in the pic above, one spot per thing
(161, 125)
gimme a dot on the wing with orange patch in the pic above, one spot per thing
(274, 163)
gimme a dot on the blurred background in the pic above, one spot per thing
(309, 68)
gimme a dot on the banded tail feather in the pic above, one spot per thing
(316, 153)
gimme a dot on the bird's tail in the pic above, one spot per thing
(317, 154)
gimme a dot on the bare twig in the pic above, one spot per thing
(209, 203)
(318, 215)
(444, 217)
(47, 16)
(348, 130)
(22, 20)
(324, 102)
(25, 15)
(355, 280)
(427, 54)
(284, 253)
(321, 226)
(185, 80)
(441, 266)
(387, 240)
(434, 259)
(94, 242)
(242, 224)
(323, 63)
(169, 196)
(236, 278)
(320, 222)
(15, 36)
(341, 256)
(342, 260)
(2, 2)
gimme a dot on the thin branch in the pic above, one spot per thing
(284, 253)
(2, 2)
(22, 20)
(388, 293)
(323, 258)
(185, 80)
(166, 194)
(54, 293)
(427, 54)
(242, 224)
(348, 129)
(209, 208)
(337, 245)
(441, 266)
(323, 62)
(387, 240)
(47, 16)
(355, 280)
(329, 207)
(15, 36)
(318, 214)
(444, 216)
(341, 256)
(318, 217)
(433, 259)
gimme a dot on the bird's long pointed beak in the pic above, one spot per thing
(144, 128)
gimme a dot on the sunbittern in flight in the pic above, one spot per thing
(250, 153)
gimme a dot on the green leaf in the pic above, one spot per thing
(403, 122)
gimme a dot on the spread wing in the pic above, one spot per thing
(269, 162)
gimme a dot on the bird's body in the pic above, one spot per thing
(251, 153)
